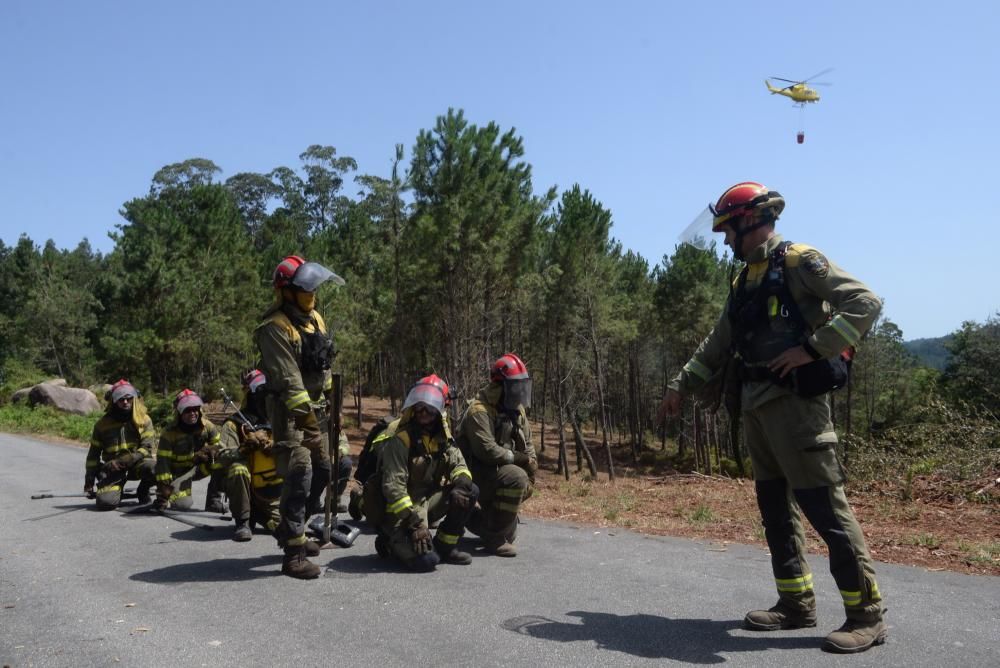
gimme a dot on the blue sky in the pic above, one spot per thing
(655, 107)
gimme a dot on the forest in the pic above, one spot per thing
(450, 259)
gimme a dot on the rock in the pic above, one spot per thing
(66, 399)
(20, 395)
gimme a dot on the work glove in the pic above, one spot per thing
(164, 490)
(258, 440)
(461, 493)
(203, 455)
(529, 464)
(114, 466)
(420, 538)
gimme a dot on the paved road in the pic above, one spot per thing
(85, 588)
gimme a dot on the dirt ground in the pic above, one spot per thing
(934, 529)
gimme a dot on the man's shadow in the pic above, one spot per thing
(213, 570)
(649, 636)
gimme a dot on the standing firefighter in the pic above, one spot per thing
(790, 325)
(190, 441)
(496, 441)
(296, 352)
(421, 477)
(124, 440)
(251, 473)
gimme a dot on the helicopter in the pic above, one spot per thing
(798, 91)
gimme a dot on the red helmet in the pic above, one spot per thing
(122, 389)
(430, 391)
(254, 380)
(743, 198)
(186, 399)
(508, 367)
(439, 383)
(285, 271)
(295, 272)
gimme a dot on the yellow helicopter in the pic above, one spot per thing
(798, 91)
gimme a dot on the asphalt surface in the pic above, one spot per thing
(80, 587)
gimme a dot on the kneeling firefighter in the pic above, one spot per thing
(191, 441)
(252, 481)
(125, 441)
(420, 478)
(496, 440)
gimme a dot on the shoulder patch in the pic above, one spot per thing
(815, 263)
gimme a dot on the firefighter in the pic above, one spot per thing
(296, 352)
(789, 325)
(125, 441)
(420, 479)
(496, 440)
(252, 481)
(191, 441)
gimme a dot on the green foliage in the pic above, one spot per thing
(701, 515)
(932, 353)
(973, 371)
(20, 419)
(16, 374)
(183, 289)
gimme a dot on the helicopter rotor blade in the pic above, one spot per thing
(827, 70)
(785, 80)
(821, 83)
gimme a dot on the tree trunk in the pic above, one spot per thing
(581, 447)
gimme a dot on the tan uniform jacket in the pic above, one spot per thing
(838, 308)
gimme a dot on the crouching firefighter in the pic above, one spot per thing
(790, 315)
(124, 440)
(420, 478)
(496, 441)
(296, 352)
(252, 482)
(191, 441)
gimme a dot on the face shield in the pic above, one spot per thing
(311, 275)
(516, 394)
(427, 395)
(699, 232)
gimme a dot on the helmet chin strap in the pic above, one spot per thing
(744, 230)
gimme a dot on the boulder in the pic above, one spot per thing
(22, 394)
(66, 399)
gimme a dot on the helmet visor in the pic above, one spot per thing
(517, 394)
(311, 275)
(699, 232)
(427, 395)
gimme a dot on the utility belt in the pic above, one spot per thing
(809, 380)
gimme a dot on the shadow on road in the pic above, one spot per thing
(649, 636)
(214, 570)
(364, 563)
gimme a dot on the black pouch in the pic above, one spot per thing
(820, 377)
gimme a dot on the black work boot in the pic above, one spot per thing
(296, 565)
(450, 554)
(860, 632)
(354, 505)
(142, 493)
(242, 532)
(780, 616)
(382, 546)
